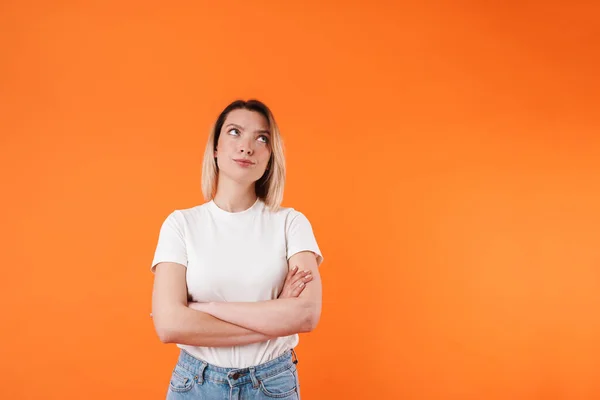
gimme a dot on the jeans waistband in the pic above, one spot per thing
(236, 376)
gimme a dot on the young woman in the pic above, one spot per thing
(236, 278)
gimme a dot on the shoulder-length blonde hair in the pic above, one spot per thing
(269, 187)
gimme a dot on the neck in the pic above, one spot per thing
(233, 197)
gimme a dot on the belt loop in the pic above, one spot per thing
(255, 383)
(295, 356)
(200, 375)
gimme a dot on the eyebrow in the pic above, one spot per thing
(263, 131)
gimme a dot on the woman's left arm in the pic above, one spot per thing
(280, 317)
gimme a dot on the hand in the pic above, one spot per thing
(295, 282)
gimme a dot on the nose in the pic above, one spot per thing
(246, 148)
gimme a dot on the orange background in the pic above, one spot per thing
(447, 155)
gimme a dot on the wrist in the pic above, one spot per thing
(210, 307)
(198, 306)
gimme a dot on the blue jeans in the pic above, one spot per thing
(196, 379)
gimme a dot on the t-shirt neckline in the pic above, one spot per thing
(219, 210)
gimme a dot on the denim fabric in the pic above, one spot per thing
(196, 379)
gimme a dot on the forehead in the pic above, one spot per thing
(247, 119)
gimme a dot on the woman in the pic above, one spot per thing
(236, 278)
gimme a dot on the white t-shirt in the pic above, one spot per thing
(236, 257)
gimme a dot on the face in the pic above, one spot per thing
(244, 149)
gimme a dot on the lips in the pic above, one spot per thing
(243, 162)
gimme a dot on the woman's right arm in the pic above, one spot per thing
(175, 322)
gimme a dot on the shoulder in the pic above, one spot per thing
(291, 217)
(286, 213)
(192, 211)
(183, 216)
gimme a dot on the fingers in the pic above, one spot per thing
(298, 288)
(303, 276)
(300, 284)
(290, 274)
(295, 282)
(286, 284)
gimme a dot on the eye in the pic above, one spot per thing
(233, 131)
(263, 138)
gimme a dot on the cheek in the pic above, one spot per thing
(224, 145)
(264, 155)
(264, 151)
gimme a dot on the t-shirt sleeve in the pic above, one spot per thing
(171, 242)
(300, 236)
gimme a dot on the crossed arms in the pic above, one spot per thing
(218, 324)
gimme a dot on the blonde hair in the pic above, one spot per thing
(269, 188)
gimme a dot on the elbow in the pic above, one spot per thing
(310, 325)
(166, 335)
(312, 315)
(165, 329)
(314, 321)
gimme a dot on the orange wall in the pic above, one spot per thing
(448, 156)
